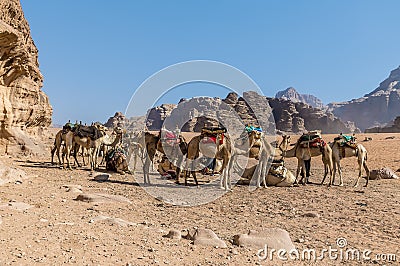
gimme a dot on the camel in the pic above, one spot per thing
(92, 145)
(256, 147)
(60, 137)
(153, 143)
(221, 150)
(135, 148)
(304, 153)
(339, 152)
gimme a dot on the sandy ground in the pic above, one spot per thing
(58, 229)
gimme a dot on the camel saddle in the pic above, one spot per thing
(112, 157)
(249, 128)
(346, 140)
(169, 137)
(211, 134)
(312, 139)
(91, 132)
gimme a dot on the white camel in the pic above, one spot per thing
(344, 151)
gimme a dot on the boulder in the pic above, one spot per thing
(273, 238)
(206, 237)
(383, 173)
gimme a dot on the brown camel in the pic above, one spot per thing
(344, 151)
(174, 148)
(220, 150)
(74, 141)
(304, 153)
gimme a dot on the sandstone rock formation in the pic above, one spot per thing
(300, 117)
(374, 109)
(292, 95)
(22, 103)
(235, 111)
(118, 119)
(392, 127)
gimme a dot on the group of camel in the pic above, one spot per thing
(89, 139)
(253, 144)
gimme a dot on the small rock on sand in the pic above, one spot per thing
(383, 173)
(102, 198)
(174, 234)
(102, 177)
(112, 221)
(18, 206)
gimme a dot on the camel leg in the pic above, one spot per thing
(299, 163)
(325, 173)
(53, 150)
(146, 169)
(368, 173)
(303, 174)
(339, 167)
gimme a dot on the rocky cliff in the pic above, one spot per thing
(289, 117)
(374, 109)
(392, 127)
(292, 95)
(22, 103)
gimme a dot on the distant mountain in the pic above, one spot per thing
(292, 95)
(374, 109)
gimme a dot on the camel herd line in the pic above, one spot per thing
(121, 150)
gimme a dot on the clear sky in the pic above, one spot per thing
(94, 53)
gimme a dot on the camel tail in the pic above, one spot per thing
(366, 156)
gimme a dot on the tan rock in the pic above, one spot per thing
(206, 237)
(274, 238)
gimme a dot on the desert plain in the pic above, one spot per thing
(42, 223)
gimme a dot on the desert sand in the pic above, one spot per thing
(42, 223)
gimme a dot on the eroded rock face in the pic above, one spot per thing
(374, 109)
(392, 127)
(193, 114)
(22, 103)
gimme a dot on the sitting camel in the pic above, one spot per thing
(342, 150)
(220, 149)
(175, 147)
(304, 153)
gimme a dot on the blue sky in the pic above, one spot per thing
(94, 54)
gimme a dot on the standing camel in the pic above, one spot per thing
(175, 147)
(256, 147)
(221, 150)
(343, 151)
(304, 153)
(74, 141)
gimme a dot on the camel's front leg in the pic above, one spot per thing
(299, 163)
(325, 174)
(367, 172)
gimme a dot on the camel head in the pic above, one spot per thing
(118, 130)
(285, 143)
